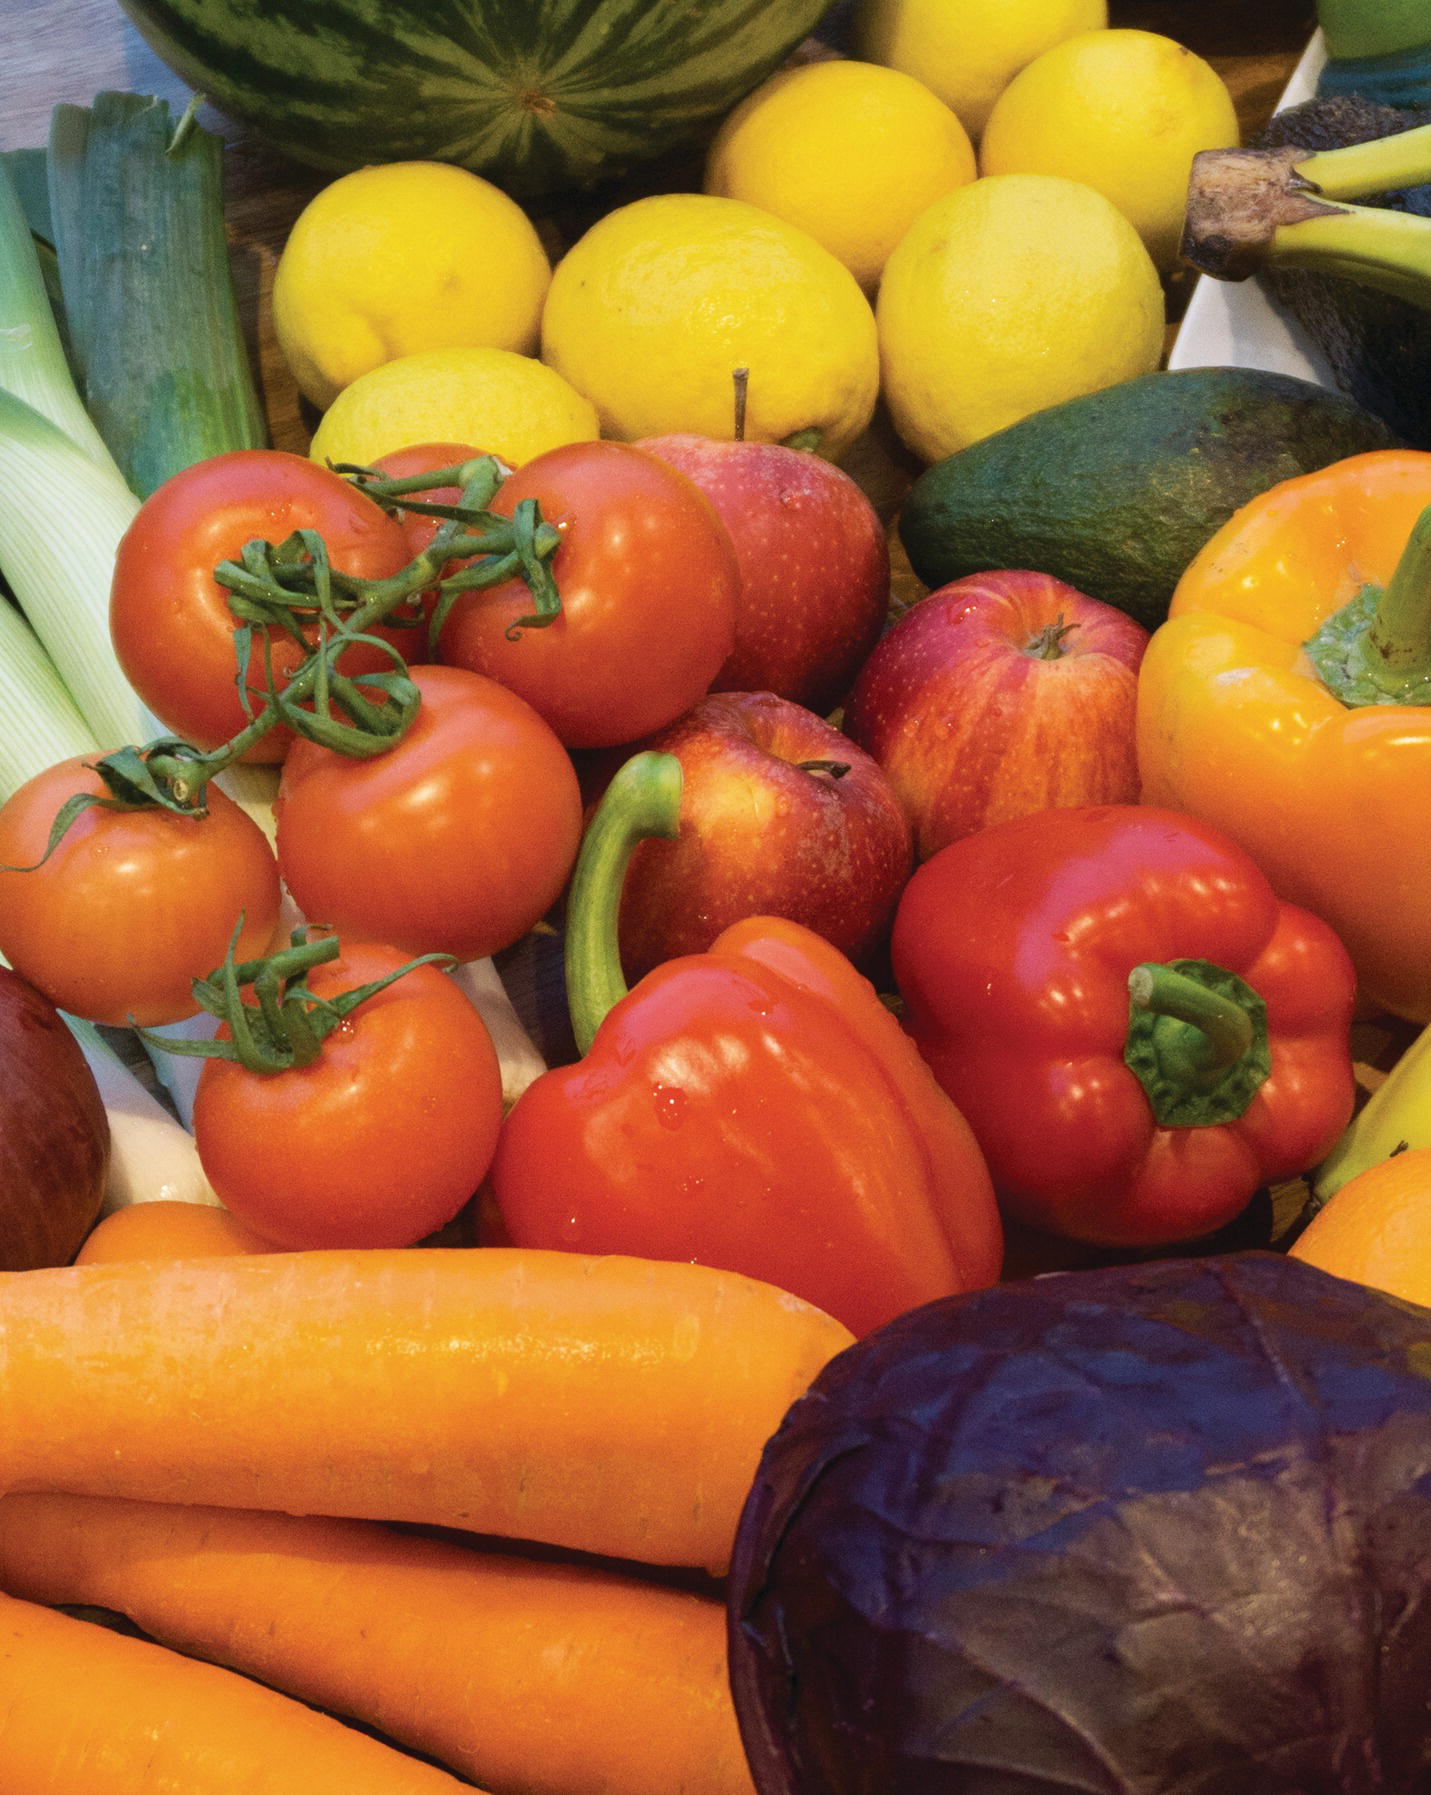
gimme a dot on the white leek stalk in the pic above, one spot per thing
(520, 1058)
(60, 525)
(151, 1157)
(32, 359)
(254, 789)
(66, 502)
(39, 721)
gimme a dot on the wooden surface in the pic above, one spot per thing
(53, 50)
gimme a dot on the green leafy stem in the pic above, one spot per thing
(287, 589)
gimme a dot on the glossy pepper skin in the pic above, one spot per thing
(757, 1108)
(1013, 949)
(1236, 725)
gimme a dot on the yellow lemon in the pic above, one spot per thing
(1124, 111)
(503, 404)
(968, 50)
(1009, 295)
(849, 151)
(391, 260)
(653, 310)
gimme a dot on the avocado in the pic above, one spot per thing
(1377, 346)
(1115, 492)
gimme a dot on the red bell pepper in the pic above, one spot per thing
(1139, 1033)
(755, 1108)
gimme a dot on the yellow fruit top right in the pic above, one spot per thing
(1123, 111)
(967, 51)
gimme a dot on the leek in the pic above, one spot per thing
(66, 507)
(60, 524)
(32, 357)
(39, 722)
(137, 209)
(1287, 208)
(151, 1157)
(518, 1054)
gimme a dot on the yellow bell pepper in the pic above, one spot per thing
(1287, 701)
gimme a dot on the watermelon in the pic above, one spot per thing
(540, 96)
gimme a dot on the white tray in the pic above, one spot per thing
(1235, 323)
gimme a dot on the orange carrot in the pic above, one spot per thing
(169, 1229)
(84, 1711)
(618, 1406)
(531, 1678)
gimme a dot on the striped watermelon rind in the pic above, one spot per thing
(540, 96)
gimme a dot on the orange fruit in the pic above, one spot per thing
(1376, 1230)
(169, 1229)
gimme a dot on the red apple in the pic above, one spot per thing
(814, 564)
(998, 695)
(770, 825)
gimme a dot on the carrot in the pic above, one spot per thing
(531, 1678)
(617, 1406)
(85, 1711)
(169, 1229)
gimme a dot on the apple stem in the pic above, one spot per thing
(1047, 645)
(643, 799)
(740, 377)
(835, 768)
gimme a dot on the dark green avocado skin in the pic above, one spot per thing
(1377, 346)
(1115, 492)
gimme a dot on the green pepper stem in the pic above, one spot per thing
(1218, 1032)
(643, 799)
(1398, 644)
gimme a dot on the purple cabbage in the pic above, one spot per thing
(1161, 1529)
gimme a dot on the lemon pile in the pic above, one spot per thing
(498, 402)
(409, 256)
(969, 220)
(1124, 111)
(850, 152)
(1010, 295)
(967, 51)
(658, 305)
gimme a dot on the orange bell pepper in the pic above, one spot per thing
(1287, 701)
